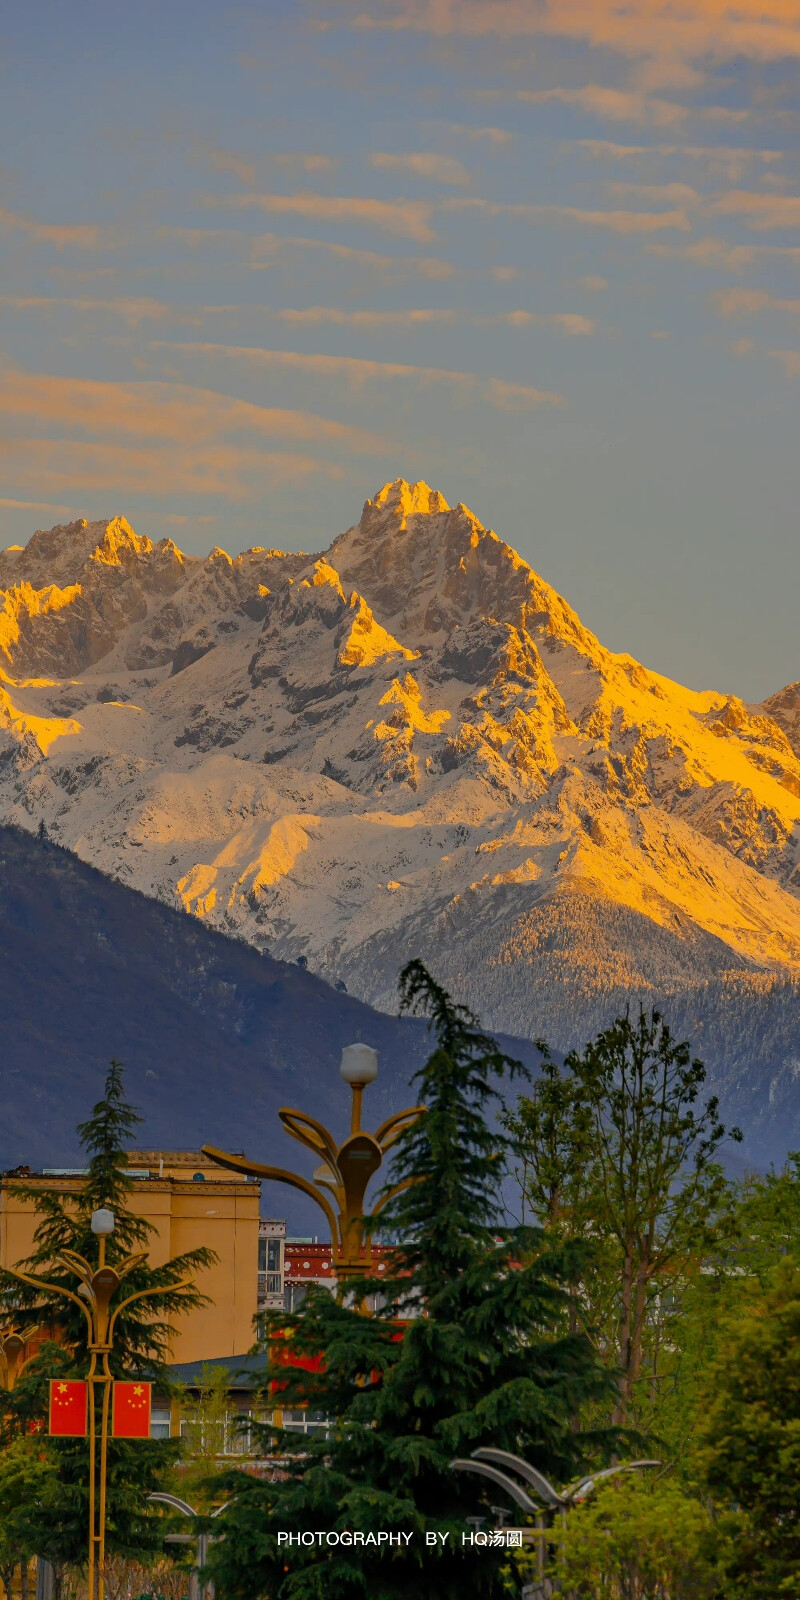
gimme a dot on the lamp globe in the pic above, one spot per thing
(103, 1222)
(359, 1065)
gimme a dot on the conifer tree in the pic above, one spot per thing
(484, 1359)
(141, 1338)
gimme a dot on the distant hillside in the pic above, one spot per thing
(214, 1036)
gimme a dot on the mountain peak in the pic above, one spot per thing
(405, 500)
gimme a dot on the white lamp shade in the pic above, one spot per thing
(102, 1221)
(359, 1064)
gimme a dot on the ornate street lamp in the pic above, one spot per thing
(487, 1463)
(201, 1541)
(96, 1289)
(346, 1168)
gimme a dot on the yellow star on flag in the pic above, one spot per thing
(62, 1388)
(137, 1388)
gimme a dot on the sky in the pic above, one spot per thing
(257, 260)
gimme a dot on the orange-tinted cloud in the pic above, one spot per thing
(312, 316)
(761, 212)
(62, 235)
(266, 247)
(426, 164)
(789, 360)
(165, 411)
(724, 257)
(616, 105)
(409, 219)
(759, 30)
(356, 372)
(624, 222)
(748, 302)
(228, 470)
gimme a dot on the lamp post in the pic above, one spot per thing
(487, 1463)
(201, 1541)
(93, 1297)
(346, 1168)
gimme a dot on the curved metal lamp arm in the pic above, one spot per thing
(53, 1288)
(319, 1139)
(278, 1175)
(141, 1294)
(389, 1131)
(174, 1502)
(589, 1482)
(517, 1494)
(397, 1188)
(531, 1475)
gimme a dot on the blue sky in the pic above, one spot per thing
(546, 256)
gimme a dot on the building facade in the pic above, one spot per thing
(188, 1202)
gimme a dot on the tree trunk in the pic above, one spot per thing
(23, 1578)
(625, 1328)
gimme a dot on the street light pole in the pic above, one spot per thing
(346, 1168)
(201, 1541)
(96, 1289)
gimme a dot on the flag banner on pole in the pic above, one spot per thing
(68, 1407)
(130, 1410)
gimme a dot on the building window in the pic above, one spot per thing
(294, 1295)
(306, 1421)
(160, 1419)
(269, 1255)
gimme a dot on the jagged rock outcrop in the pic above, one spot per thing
(408, 744)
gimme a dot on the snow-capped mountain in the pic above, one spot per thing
(406, 745)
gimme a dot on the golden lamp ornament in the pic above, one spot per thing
(346, 1168)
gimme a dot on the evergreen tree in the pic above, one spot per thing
(485, 1359)
(141, 1337)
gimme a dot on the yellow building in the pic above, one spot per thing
(188, 1202)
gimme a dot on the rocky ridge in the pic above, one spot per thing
(407, 744)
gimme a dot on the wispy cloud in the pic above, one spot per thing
(62, 235)
(34, 505)
(493, 136)
(265, 248)
(357, 372)
(724, 257)
(170, 412)
(761, 212)
(425, 164)
(409, 219)
(132, 311)
(615, 105)
(110, 469)
(307, 161)
(673, 30)
(728, 161)
(789, 360)
(624, 222)
(749, 302)
(313, 316)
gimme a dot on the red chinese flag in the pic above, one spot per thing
(68, 1407)
(130, 1411)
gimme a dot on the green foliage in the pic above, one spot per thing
(489, 1362)
(143, 1331)
(141, 1340)
(205, 1424)
(635, 1539)
(615, 1149)
(749, 1435)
